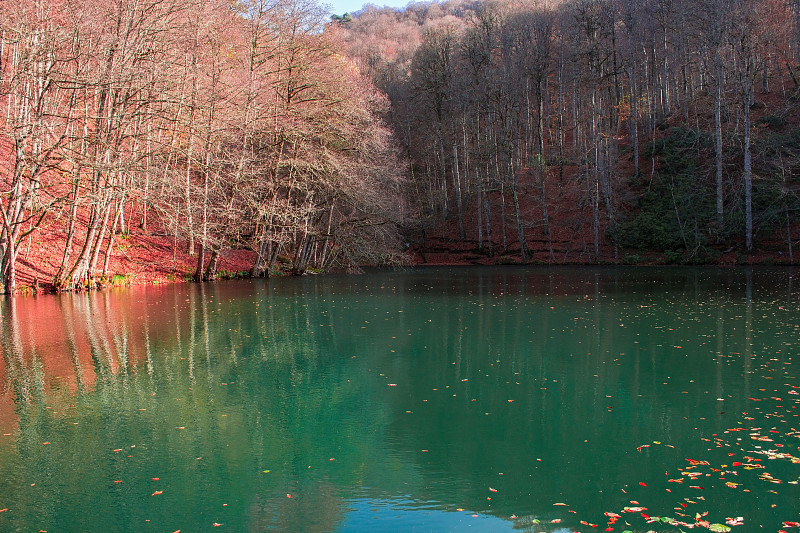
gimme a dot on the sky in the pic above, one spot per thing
(340, 7)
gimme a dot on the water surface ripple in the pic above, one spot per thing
(441, 399)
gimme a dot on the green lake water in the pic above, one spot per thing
(447, 399)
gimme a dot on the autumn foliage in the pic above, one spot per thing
(222, 124)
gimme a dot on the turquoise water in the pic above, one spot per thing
(479, 399)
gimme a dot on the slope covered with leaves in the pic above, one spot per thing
(594, 130)
(206, 125)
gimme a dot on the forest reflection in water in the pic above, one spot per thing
(411, 399)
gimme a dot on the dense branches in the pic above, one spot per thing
(236, 124)
(501, 104)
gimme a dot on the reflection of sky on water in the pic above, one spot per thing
(401, 516)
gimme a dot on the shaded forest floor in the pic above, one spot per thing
(572, 243)
(568, 238)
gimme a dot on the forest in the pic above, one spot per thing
(222, 124)
(548, 131)
(595, 130)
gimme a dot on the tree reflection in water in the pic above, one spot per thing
(407, 399)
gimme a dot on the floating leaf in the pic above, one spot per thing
(719, 528)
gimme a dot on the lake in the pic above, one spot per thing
(440, 399)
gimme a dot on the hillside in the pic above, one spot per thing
(266, 139)
(133, 130)
(593, 130)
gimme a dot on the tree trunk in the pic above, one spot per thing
(479, 213)
(789, 236)
(541, 169)
(718, 139)
(188, 198)
(213, 263)
(457, 178)
(634, 121)
(487, 210)
(112, 232)
(201, 259)
(748, 158)
(95, 253)
(523, 244)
